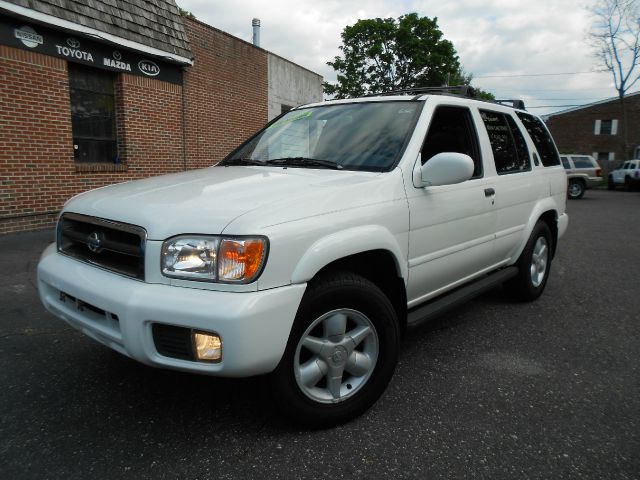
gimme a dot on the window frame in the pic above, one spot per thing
(511, 124)
(77, 74)
(470, 125)
(537, 121)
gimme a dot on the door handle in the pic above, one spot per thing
(489, 192)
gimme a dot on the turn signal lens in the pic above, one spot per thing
(240, 260)
(208, 347)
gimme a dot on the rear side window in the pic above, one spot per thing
(583, 162)
(541, 139)
(509, 148)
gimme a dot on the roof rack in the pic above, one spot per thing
(519, 104)
(458, 90)
(462, 90)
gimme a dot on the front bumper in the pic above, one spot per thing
(254, 326)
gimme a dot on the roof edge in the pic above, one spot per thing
(588, 105)
(67, 25)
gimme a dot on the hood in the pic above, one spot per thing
(207, 200)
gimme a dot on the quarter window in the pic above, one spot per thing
(541, 139)
(93, 117)
(507, 143)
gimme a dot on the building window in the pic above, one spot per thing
(93, 115)
(605, 156)
(606, 127)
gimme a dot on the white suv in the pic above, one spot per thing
(310, 249)
(627, 174)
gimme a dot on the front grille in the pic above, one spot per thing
(173, 342)
(118, 247)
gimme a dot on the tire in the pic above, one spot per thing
(610, 184)
(627, 183)
(533, 265)
(341, 353)
(576, 189)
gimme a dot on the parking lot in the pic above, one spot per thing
(495, 389)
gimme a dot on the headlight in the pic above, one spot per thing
(213, 258)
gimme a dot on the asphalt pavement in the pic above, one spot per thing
(495, 389)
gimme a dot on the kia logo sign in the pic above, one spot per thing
(148, 68)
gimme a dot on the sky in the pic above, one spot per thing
(536, 51)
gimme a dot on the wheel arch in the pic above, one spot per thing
(547, 213)
(371, 252)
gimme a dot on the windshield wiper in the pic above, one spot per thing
(240, 161)
(304, 162)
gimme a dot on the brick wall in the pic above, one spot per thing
(35, 138)
(37, 170)
(225, 95)
(574, 131)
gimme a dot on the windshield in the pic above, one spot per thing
(354, 136)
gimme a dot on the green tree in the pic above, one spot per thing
(387, 54)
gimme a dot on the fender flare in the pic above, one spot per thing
(542, 207)
(345, 243)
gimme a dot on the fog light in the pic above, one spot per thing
(208, 347)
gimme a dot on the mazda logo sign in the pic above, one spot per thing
(94, 241)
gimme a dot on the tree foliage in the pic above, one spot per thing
(387, 54)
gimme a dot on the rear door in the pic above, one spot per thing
(518, 187)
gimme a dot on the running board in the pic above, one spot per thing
(446, 302)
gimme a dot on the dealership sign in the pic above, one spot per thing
(75, 48)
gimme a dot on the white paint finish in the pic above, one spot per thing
(300, 228)
(254, 326)
(515, 200)
(290, 84)
(614, 126)
(451, 234)
(596, 127)
(205, 201)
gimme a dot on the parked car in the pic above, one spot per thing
(311, 249)
(627, 175)
(583, 172)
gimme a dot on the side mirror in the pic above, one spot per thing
(446, 168)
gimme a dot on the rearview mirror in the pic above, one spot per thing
(446, 168)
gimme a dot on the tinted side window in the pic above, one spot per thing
(541, 139)
(565, 163)
(452, 130)
(507, 143)
(582, 162)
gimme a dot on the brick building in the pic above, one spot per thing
(94, 92)
(596, 129)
